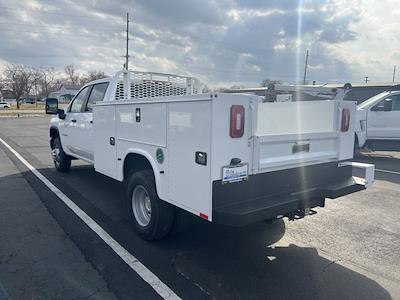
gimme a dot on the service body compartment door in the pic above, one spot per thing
(293, 134)
(189, 131)
(105, 153)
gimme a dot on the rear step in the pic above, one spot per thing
(241, 214)
(293, 206)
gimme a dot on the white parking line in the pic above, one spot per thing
(387, 171)
(160, 287)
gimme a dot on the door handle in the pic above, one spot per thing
(73, 121)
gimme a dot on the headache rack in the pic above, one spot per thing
(132, 85)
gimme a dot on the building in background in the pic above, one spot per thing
(7, 95)
(66, 92)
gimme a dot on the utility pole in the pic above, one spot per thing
(305, 68)
(366, 79)
(127, 42)
(394, 73)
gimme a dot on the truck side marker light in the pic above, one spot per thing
(204, 216)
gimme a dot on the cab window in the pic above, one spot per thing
(396, 102)
(96, 95)
(78, 101)
(392, 100)
(380, 106)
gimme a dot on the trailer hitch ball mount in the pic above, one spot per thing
(298, 214)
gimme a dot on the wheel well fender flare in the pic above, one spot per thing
(144, 154)
(54, 132)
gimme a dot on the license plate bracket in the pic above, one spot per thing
(235, 173)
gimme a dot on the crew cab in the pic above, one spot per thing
(232, 159)
(378, 122)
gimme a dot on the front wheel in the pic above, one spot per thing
(61, 160)
(151, 216)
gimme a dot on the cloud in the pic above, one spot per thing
(221, 41)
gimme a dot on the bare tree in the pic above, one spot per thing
(47, 80)
(2, 85)
(72, 75)
(2, 82)
(206, 89)
(17, 79)
(237, 87)
(33, 76)
(91, 75)
(267, 81)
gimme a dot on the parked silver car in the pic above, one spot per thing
(5, 105)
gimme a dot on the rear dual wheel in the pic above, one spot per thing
(152, 217)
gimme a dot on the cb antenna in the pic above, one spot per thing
(126, 65)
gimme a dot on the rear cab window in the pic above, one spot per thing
(96, 95)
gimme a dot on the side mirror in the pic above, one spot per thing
(61, 114)
(388, 105)
(51, 106)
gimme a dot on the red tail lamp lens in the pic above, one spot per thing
(345, 120)
(237, 121)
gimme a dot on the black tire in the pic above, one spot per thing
(162, 213)
(356, 151)
(62, 161)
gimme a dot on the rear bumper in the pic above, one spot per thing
(281, 193)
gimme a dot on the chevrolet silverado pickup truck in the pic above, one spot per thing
(232, 159)
(378, 123)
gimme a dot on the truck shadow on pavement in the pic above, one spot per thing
(236, 263)
(223, 262)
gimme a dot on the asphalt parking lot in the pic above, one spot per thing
(349, 250)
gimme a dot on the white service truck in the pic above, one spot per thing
(378, 123)
(227, 158)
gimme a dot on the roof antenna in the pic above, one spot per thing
(126, 65)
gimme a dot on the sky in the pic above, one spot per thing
(222, 42)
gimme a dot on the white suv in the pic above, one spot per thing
(5, 105)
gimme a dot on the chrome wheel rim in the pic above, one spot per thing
(141, 205)
(55, 153)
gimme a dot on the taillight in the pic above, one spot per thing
(237, 121)
(345, 120)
